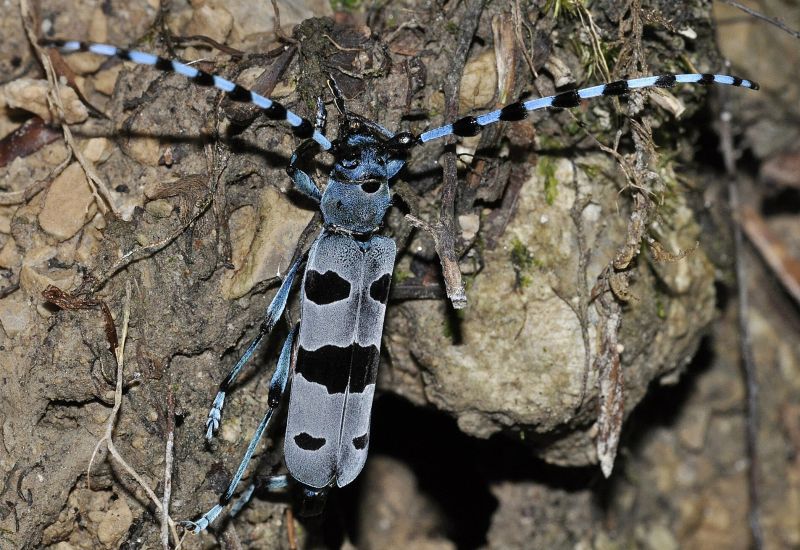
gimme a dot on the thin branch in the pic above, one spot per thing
(747, 359)
(758, 15)
(277, 27)
(168, 457)
(144, 251)
(112, 419)
(99, 189)
(444, 230)
(24, 195)
(290, 531)
(772, 249)
(231, 538)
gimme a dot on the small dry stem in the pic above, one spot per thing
(112, 419)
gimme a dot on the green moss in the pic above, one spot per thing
(661, 309)
(450, 329)
(573, 127)
(345, 5)
(521, 260)
(592, 171)
(547, 169)
(399, 276)
(564, 7)
(549, 142)
(520, 255)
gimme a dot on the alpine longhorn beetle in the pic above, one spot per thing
(332, 354)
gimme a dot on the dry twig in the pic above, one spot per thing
(444, 230)
(99, 190)
(758, 15)
(24, 195)
(772, 249)
(168, 457)
(746, 350)
(144, 251)
(112, 419)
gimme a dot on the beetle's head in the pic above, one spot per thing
(366, 151)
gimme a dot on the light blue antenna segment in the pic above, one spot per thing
(185, 70)
(538, 103)
(293, 119)
(102, 49)
(691, 78)
(223, 84)
(322, 140)
(436, 133)
(594, 91)
(143, 58)
(489, 118)
(645, 82)
(718, 78)
(261, 101)
(71, 46)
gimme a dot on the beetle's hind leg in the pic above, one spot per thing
(274, 312)
(270, 483)
(276, 388)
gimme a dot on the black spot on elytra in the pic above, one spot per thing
(325, 288)
(379, 290)
(333, 367)
(308, 442)
(360, 442)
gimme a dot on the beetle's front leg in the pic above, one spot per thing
(301, 180)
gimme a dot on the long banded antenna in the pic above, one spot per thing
(472, 125)
(301, 127)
